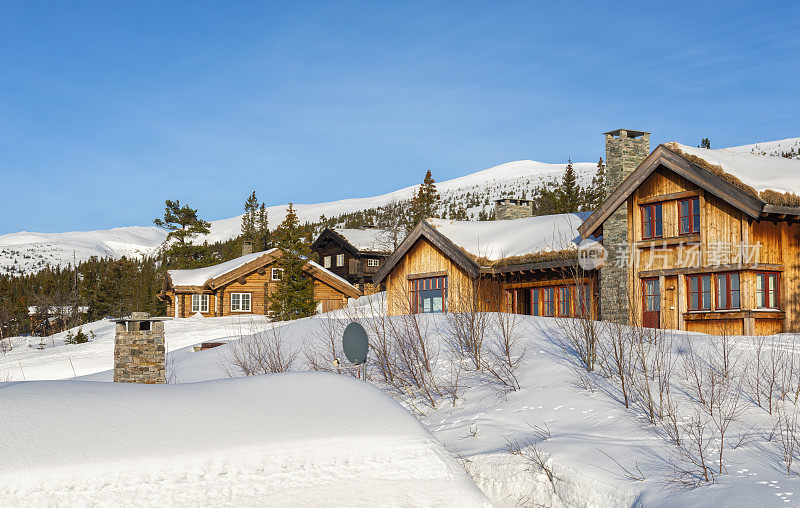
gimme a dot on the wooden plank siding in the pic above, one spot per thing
(717, 248)
(259, 285)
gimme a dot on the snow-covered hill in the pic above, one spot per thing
(26, 252)
(789, 147)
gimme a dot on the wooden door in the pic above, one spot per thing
(651, 303)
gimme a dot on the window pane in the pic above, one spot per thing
(693, 284)
(694, 301)
(734, 281)
(535, 302)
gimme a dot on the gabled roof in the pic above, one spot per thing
(483, 246)
(677, 162)
(216, 276)
(358, 241)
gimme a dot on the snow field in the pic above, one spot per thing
(281, 440)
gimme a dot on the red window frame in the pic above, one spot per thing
(650, 227)
(564, 298)
(726, 301)
(701, 291)
(765, 292)
(428, 284)
(693, 212)
(549, 301)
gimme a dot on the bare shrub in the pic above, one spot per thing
(789, 437)
(529, 450)
(416, 356)
(322, 353)
(505, 352)
(264, 352)
(692, 465)
(466, 322)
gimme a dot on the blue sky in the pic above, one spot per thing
(108, 108)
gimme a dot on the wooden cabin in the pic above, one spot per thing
(527, 266)
(243, 286)
(698, 239)
(355, 254)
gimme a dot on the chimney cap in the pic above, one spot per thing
(630, 133)
(512, 201)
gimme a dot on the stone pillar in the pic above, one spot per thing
(625, 150)
(139, 352)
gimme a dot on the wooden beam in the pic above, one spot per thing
(736, 267)
(669, 197)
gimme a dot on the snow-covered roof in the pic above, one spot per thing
(199, 276)
(372, 240)
(760, 172)
(499, 239)
(330, 273)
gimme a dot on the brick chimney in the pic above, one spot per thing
(139, 349)
(625, 150)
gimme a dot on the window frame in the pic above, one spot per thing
(373, 262)
(272, 274)
(339, 260)
(549, 305)
(766, 291)
(326, 261)
(728, 303)
(694, 211)
(241, 302)
(425, 284)
(201, 301)
(701, 291)
(564, 297)
(649, 227)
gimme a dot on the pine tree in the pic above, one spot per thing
(293, 297)
(183, 225)
(425, 201)
(597, 193)
(705, 143)
(255, 223)
(569, 192)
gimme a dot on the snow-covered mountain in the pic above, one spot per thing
(27, 252)
(789, 147)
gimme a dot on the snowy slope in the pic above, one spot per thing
(296, 439)
(782, 148)
(29, 252)
(589, 427)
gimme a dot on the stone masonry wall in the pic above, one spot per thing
(623, 156)
(139, 356)
(505, 211)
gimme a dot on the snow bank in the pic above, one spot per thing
(199, 276)
(506, 238)
(297, 439)
(758, 171)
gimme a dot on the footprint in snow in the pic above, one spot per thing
(558, 407)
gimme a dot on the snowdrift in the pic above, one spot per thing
(300, 439)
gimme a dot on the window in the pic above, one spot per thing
(727, 291)
(767, 290)
(276, 273)
(199, 303)
(326, 261)
(549, 298)
(652, 226)
(339, 259)
(373, 262)
(240, 302)
(584, 300)
(563, 301)
(534, 302)
(689, 216)
(429, 294)
(699, 292)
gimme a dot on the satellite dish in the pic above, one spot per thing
(355, 343)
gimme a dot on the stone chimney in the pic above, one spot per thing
(139, 352)
(625, 150)
(508, 208)
(247, 247)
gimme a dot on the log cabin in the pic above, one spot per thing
(704, 240)
(243, 285)
(355, 254)
(526, 265)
